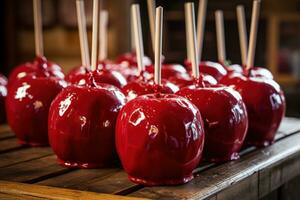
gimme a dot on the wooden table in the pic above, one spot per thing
(269, 173)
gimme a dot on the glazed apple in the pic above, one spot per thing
(27, 106)
(259, 72)
(225, 120)
(40, 67)
(142, 86)
(80, 75)
(265, 104)
(205, 79)
(82, 125)
(159, 128)
(130, 60)
(3, 94)
(214, 69)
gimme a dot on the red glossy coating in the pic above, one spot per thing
(40, 67)
(159, 139)
(82, 125)
(170, 70)
(225, 120)
(142, 86)
(3, 94)
(259, 72)
(205, 79)
(130, 60)
(27, 106)
(216, 70)
(81, 76)
(265, 104)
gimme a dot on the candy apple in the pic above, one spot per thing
(82, 125)
(3, 94)
(259, 72)
(40, 67)
(265, 104)
(159, 128)
(27, 106)
(225, 119)
(207, 80)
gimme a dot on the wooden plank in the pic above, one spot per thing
(4, 128)
(290, 190)
(46, 192)
(33, 170)
(6, 135)
(21, 155)
(9, 145)
(4, 196)
(289, 125)
(112, 181)
(214, 180)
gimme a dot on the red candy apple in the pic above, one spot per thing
(40, 67)
(3, 94)
(27, 106)
(82, 125)
(265, 104)
(225, 119)
(159, 128)
(204, 78)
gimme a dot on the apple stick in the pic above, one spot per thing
(95, 34)
(253, 33)
(84, 46)
(158, 45)
(188, 52)
(190, 16)
(38, 29)
(138, 37)
(103, 34)
(220, 36)
(132, 39)
(151, 14)
(240, 10)
(201, 25)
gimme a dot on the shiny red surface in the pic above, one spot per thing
(214, 69)
(142, 86)
(205, 79)
(81, 76)
(27, 106)
(265, 104)
(3, 94)
(159, 139)
(170, 70)
(225, 119)
(130, 59)
(40, 67)
(82, 125)
(259, 72)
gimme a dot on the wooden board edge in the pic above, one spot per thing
(47, 192)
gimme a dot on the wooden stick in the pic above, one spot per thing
(84, 46)
(137, 30)
(240, 11)
(132, 39)
(151, 14)
(95, 34)
(158, 45)
(103, 34)
(253, 33)
(38, 28)
(190, 15)
(201, 25)
(220, 36)
(188, 48)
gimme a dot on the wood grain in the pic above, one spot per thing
(46, 192)
(9, 145)
(22, 155)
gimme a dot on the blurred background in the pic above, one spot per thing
(278, 46)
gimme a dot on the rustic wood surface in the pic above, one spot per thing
(257, 173)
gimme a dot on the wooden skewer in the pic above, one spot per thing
(158, 45)
(253, 33)
(137, 30)
(201, 25)
(190, 15)
(38, 29)
(188, 51)
(240, 10)
(95, 34)
(84, 46)
(132, 39)
(151, 14)
(220, 36)
(103, 34)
